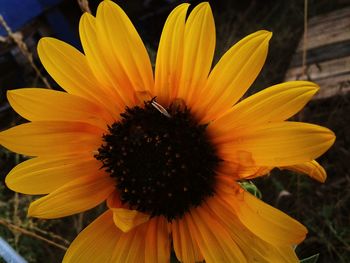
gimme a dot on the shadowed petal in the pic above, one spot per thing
(254, 248)
(103, 242)
(157, 241)
(266, 222)
(311, 168)
(185, 247)
(96, 243)
(74, 197)
(212, 238)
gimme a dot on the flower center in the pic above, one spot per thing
(162, 160)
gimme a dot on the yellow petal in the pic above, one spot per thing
(185, 247)
(126, 219)
(255, 172)
(214, 241)
(233, 74)
(170, 55)
(69, 68)
(96, 243)
(312, 169)
(199, 45)
(242, 170)
(157, 242)
(142, 96)
(276, 144)
(43, 175)
(276, 103)
(45, 105)
(127, 61)
(46, 138)
(98, 61)
(74, 197)
(131, 246)
(264, 221)
(254, 248)
(102, 241)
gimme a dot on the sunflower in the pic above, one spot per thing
(166, 152)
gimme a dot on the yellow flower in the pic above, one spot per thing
(172, 147)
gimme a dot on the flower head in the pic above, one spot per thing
(165, 151)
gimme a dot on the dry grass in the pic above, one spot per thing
(17, 38)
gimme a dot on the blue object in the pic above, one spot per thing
(9, 254)
(19, 12)
(61, 28)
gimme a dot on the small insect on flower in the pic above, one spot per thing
(171, 164)
(160, 108)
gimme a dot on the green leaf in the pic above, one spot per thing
(312, 259)
(251, 188)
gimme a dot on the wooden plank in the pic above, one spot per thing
(331, 16)
(327, 33)
(331, 87)
(328, 54)
(332, 76)
(322, 70)
(323, 53)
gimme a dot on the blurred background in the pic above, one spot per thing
(323, 56)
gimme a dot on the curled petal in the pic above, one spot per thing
(311, 168)
(73, 197)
